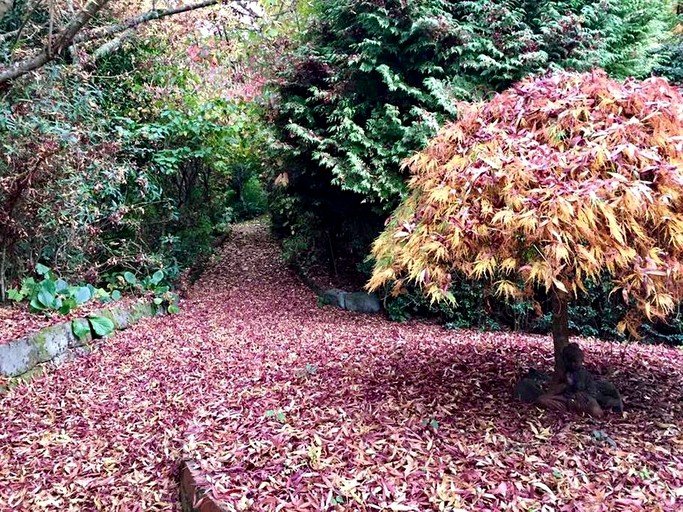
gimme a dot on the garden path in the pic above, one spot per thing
(283, 402)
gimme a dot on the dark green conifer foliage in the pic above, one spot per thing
(671, 62)
(376, 78)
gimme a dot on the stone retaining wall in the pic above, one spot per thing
(57, 343)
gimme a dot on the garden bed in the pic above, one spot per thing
(16, 321)
(57, 341)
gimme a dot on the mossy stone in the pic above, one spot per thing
(52, 341)
(18, 356)
(120, 316)
(140, 310)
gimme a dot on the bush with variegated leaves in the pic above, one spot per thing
(549, 185)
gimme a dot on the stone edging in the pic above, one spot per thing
(58, 343)
(193, 498)
(358, 302)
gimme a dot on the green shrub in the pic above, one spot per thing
(104, 173)
(61, 179)
(51, 293)
(671, 62)
(669, 54)
(374, 80)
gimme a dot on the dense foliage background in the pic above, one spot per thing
(136, 151)
(133, 162)
(374, 80)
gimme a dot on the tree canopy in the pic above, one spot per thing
(373, 81)
(32, 35)
(551, 183)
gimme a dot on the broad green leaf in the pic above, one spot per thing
(15, 295)
(82, 295)
(158, 301)
(101, 325)
(130, 278)
(157, 277)
(116, 295)
(36, 305)
(80, 327)
(48, 285)
(27, 286)
(46, 298)
(173, 309)
(41, 269)
(61, 285)
(67, 305)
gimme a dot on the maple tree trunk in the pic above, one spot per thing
(560, 303)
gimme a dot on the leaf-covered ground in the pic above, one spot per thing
(288, 406)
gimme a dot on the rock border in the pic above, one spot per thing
(358, 302)
(194, 498)
(58, 343)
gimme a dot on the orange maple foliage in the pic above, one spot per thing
(548, 184)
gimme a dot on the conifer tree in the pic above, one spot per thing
(376, 79)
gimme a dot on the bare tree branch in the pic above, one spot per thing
(73, 33)
(61, 41)
(7, 35)
(101, 32)
(114, 44)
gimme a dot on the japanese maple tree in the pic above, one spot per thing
(561, 179)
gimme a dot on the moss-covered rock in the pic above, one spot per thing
(18, 356)
(120, 316)
(140, 310)
(52, 341)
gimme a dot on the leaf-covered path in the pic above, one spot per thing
(288, 404)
